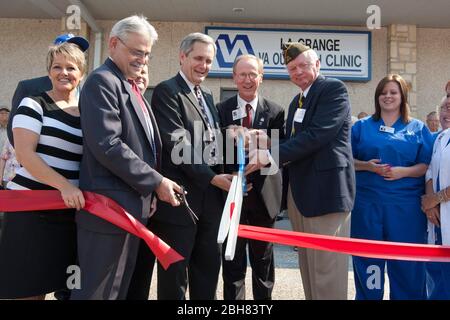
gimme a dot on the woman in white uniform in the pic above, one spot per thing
(436, 202)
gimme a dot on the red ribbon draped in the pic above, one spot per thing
(96, 204)
(357, 247)
(109, 210)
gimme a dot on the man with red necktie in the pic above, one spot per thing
(121, 153)
(262, 203)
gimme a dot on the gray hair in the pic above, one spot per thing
(134, 24)
(188, 42)
(250, 57)
(433, 113)
(311, 56)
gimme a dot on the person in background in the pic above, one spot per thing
(4, 116)
(36, 248)
(8, 163)
(435, 204)
(433, 121)
(142, 276)
(361, 115)
(391, 151)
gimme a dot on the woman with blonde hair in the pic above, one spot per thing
(36, 248)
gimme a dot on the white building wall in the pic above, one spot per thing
(24, 42)
(23, 49)
(433, 68)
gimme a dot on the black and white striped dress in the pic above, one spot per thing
(37, 247)
(60, 141)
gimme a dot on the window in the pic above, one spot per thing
(226, 93)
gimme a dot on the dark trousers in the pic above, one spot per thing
(197, 243)
(260, 255)
(142, 276)
(107, 264)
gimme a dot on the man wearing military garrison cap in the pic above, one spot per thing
(318, 157)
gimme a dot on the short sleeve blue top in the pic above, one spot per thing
(410, 143)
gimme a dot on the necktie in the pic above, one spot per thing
(301, 100)
(148, 120)
(247, 121)
(211, 138)
(198, 94)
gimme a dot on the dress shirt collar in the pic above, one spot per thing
(305, 93)
(241, 103)
(190, 84)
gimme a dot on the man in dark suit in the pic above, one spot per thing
(31, 87)
(321, 172)
(189, 124)
(121, 149)
(262, 203)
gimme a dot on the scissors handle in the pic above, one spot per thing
(182, 198)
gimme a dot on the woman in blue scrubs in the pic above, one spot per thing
(391, 152)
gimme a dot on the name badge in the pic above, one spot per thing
(239, 113)
(387, 129)
(299, 115)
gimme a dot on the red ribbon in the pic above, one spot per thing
(96, 204)
(357, 247)
(109, 210)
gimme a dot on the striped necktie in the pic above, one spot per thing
(211, 137)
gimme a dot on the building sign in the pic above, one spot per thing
(345, 55)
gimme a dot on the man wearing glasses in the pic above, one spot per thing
(262, 203)
(121, 155)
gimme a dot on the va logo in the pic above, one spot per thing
(228, 50)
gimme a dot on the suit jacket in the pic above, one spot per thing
(177, 111)
(319, 156)
(26, 88)
(269, 115)
(118, 160)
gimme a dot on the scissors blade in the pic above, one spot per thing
(182, 198)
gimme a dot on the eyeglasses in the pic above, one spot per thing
(445, 109)
(136, 53)
(251, 75)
